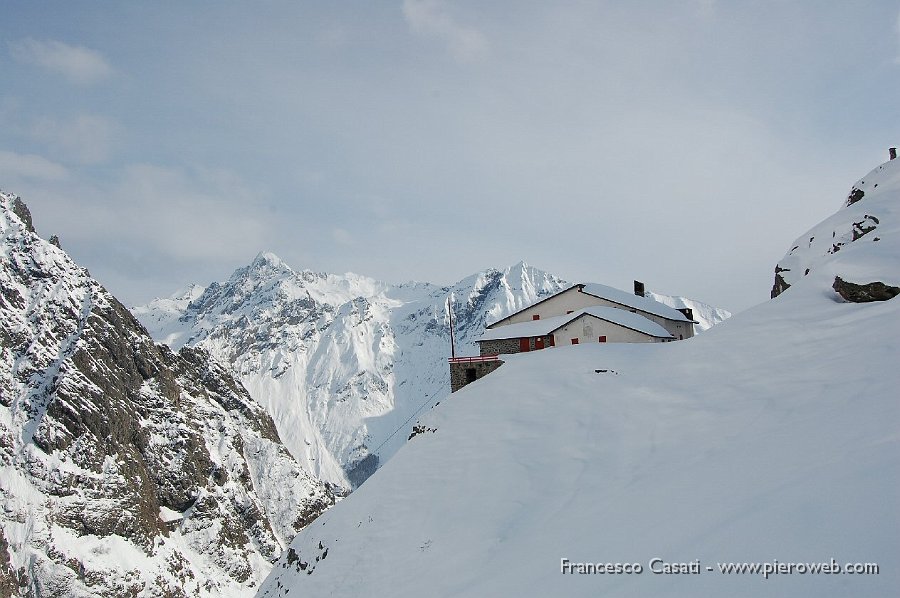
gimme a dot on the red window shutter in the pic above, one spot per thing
(552, 341)
(536, 317)
(574, 341)
(524, 345)
(603, 338)
(538, 343)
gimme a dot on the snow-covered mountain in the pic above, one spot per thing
(771, 442)
(704, 314)
(344, 363)
(126, 469)
(340, 362)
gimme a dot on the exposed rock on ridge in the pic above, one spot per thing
(127, 469)
(847, 241)
(864, 293)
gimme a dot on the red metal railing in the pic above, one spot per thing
(477, 359)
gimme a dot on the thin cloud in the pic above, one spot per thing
(15, 166)
(78, 64)
(429, 18)
(897, 30)
(342, 236)
(86, 139)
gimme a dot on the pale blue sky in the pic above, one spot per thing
(682, 143)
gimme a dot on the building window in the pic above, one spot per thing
(603, 338)
(571, 311)
(536, 317)
(538, 343)
(574, 341)
(471, 376)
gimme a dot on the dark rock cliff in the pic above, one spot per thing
(117, 447)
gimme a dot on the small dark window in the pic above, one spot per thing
(574, 341)
(536, 317)
(471, 376)
(603, 338)
(570, 311)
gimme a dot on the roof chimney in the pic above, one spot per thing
(688, 312)
(638, 288)
(892, 152)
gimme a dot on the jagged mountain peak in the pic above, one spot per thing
(267, 259)
(266, 266)
(495, 293)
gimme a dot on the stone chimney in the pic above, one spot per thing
(688, 312)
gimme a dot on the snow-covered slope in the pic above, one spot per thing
(772, 438)
(126, 469)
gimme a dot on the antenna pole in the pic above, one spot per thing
(450, 314)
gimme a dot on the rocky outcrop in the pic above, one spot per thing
(855, 195)
(864, 227)
(864, 293)
(129, 469)
(781, 284)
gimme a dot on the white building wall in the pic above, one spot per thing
(588, 329)
(558, 305)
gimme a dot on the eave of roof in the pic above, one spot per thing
(632, 301)
(574, 286)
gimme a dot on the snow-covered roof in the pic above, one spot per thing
(528, 329)
(545, 326)
(634, 301)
